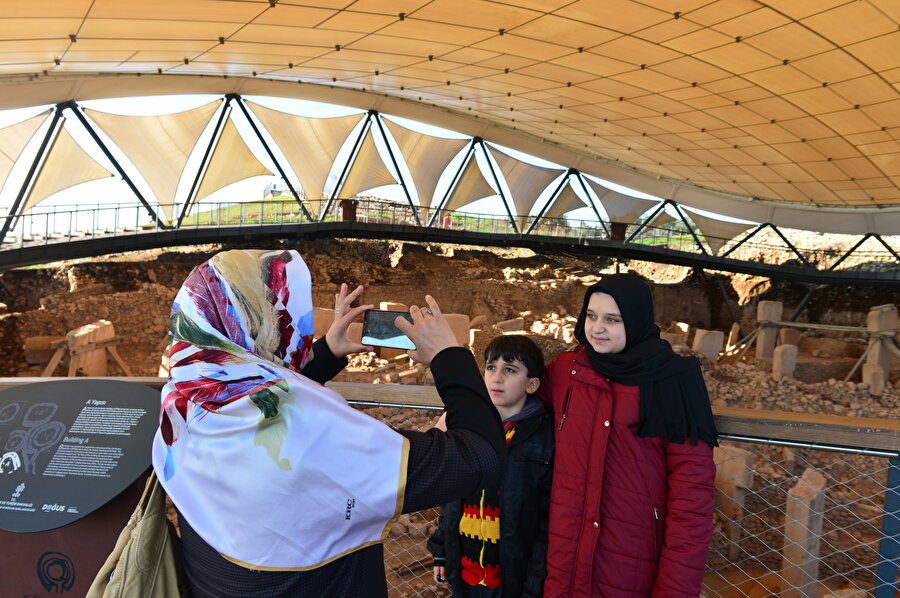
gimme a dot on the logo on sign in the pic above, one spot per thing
(56, 572)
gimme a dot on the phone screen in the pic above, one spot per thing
(379, 329)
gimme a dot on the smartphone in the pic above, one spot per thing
(379, 329)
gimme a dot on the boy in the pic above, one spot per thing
(493, 543)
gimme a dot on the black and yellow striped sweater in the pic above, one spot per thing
(479, 533)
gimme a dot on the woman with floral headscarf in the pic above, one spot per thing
(281, 487)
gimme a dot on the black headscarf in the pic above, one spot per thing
(674, 399)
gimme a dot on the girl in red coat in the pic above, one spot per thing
(633, 488)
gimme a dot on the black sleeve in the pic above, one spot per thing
(537, 568)
(446, 466)
(436, 541)
(324, 365)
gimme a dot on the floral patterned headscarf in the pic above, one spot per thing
(262, 461)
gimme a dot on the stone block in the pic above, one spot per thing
(409, 377)
(734, 479)
(765, 341)
(389, 352)
(478, 321)
(354, 331)
(90, 363)
(709, 343)
(322, 319)
(674, 338)
(390, 306)
(459, 324)
(784, 360)
(874, 376)
(734, 335)
(789, 336)
(882, 318)
(802, 535)
(679, 327)
(879, 355)
(513, 325)
(37, 349)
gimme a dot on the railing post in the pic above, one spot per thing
(889, 549)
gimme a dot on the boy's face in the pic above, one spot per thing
(604, 326)
(508, 384)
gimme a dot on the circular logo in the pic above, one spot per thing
(56, 572)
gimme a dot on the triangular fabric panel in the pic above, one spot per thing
(717, 232)
(309, 144)
(526, 181)
(66, 165)
(426, 156)
(662, 219)
(566, 201)
(471, 186)
(619, 207)
(231, 161)
(368, 170)
(158, 146)
(13, 140)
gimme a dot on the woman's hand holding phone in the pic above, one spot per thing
(429, 331)
(338, 337)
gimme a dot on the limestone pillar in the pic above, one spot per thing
(802, 536)
(789, 336)
(765, 340)
(734, 479)
(459, 324)
(322, 319)
(882, 318)
(733, 336)
(709, 343)
(89, 363)
(784, 361)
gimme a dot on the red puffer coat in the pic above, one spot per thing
(629, 516)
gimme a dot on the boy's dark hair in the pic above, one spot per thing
(509, 347)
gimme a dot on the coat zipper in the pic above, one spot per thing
(658, 540)
(562, 420)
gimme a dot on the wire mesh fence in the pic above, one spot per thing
(791, 519)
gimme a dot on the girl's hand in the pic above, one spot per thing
(430, 332)
(440, 575)
(338, 337)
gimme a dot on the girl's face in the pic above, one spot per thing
(603, 325)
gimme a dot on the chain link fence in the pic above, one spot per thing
(791, 519)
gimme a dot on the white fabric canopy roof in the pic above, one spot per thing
(426, 156)
(158, 146)
(471, 186)
(368, 170)
(565, 202)
(231, 161)
(309, 144)
(782, 112)
(661, 219)
(13, 140)
(66, 165)
(717, 232)
(526, 181)
(620, 207)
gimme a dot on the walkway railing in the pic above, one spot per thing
(73, 224)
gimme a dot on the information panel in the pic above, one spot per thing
(67, 447)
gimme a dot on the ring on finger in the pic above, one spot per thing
(428, 311)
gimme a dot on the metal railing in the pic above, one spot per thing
(67, 224)
(793, 518)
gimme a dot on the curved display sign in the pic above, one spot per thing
(68, 447)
